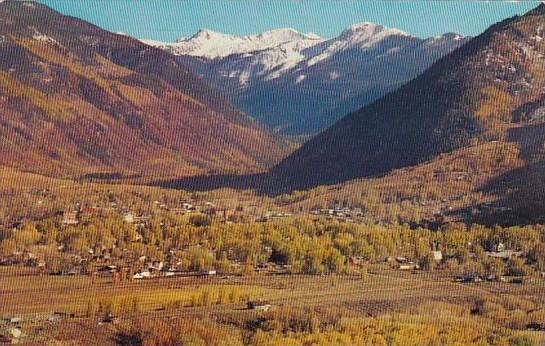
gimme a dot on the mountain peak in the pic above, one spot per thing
(364, 26)
(211, 44)
(367, 30)
(284, 35)
(207, 34)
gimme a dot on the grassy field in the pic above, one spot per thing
(413, 298)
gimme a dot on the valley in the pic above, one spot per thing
(290, 81)
(280, 188)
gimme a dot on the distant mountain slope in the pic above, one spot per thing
(300, 83)
(75, 99)
(477, 93)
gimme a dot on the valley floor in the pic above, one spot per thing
(402, 301)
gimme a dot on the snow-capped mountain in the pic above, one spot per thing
(360, 36)
(300, 83)
(210, 44)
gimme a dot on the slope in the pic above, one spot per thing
(300, 83)
(76, 99)
(473, 95)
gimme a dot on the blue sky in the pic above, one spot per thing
(167, 20)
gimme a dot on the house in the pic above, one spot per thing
(188, 206)
(259, 305)
(69, 272)
(70, 217)
(409, 266)
(109, 269)
(58, 316)
(401, 259)
(110, 318)
(516, 280)
(157, 266)
(13, 334)
(357, 260)
(208, 272)
(142, 275)
(13, 320)
(128, 217)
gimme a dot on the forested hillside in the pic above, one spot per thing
(76, 99)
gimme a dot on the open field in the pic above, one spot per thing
(423, 295)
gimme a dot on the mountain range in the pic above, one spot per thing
(300, 83)
(490, 91)
(78, 100)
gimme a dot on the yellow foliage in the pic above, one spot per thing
(53, 108)
(496, 103)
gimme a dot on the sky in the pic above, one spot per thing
(168, 20)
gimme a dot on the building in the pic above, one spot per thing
(128, 217)
(401, 259)
(208, 272)
(142, 275)
(259, 305)
(409, 266)
(70, 217)
(357, 260)
(504, 254)
(437, 256)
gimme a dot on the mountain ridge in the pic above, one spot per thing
(78, 100)
(468, 96)
(292, 86)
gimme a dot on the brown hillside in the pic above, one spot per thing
(76, 100)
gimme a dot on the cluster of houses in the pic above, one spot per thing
(348, 214)
(147, 269)
(74, 214)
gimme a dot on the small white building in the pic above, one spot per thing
(409, 266)
(208, 272)
(128, 217)
(142, 275)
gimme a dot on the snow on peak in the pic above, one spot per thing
(286, 35)
(207, 34)
(358, 36)
(313, 36)
(370, 32)
(445, 38)
(271, 54)
(211, 44)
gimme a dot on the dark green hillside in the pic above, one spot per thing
(475, 94)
